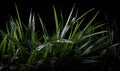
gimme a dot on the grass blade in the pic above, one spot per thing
(89, 23)
(46, 36)
(32, 57)
(65, 29)
(42, 46)
(83, 15)
(3, 45)
(94, 34)
(56, 23)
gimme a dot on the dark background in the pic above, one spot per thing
(45, 8)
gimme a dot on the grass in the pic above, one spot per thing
(71, 44)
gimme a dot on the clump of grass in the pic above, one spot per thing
(22, 49)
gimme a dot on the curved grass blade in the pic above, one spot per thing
(42, 46)
(96, 46)
(94, 34)
(46, 36)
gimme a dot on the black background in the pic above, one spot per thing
(45, 8)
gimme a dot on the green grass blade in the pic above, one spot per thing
(3, 45)
(83, 15)
(42, 46)
(94, 34)
(31, 24)
(114, 45)
(63, 41)
(89, 23)
(17, 13)
(98, 26)
(65, 29)
(75, 29)
(56, 23)
(95, 27)
(32, 56)
(84, 45)
(15, 35)
(13, 39)
(46, 52)
(46, 36)
(96, 46)
(20, 29)
(31, 28)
